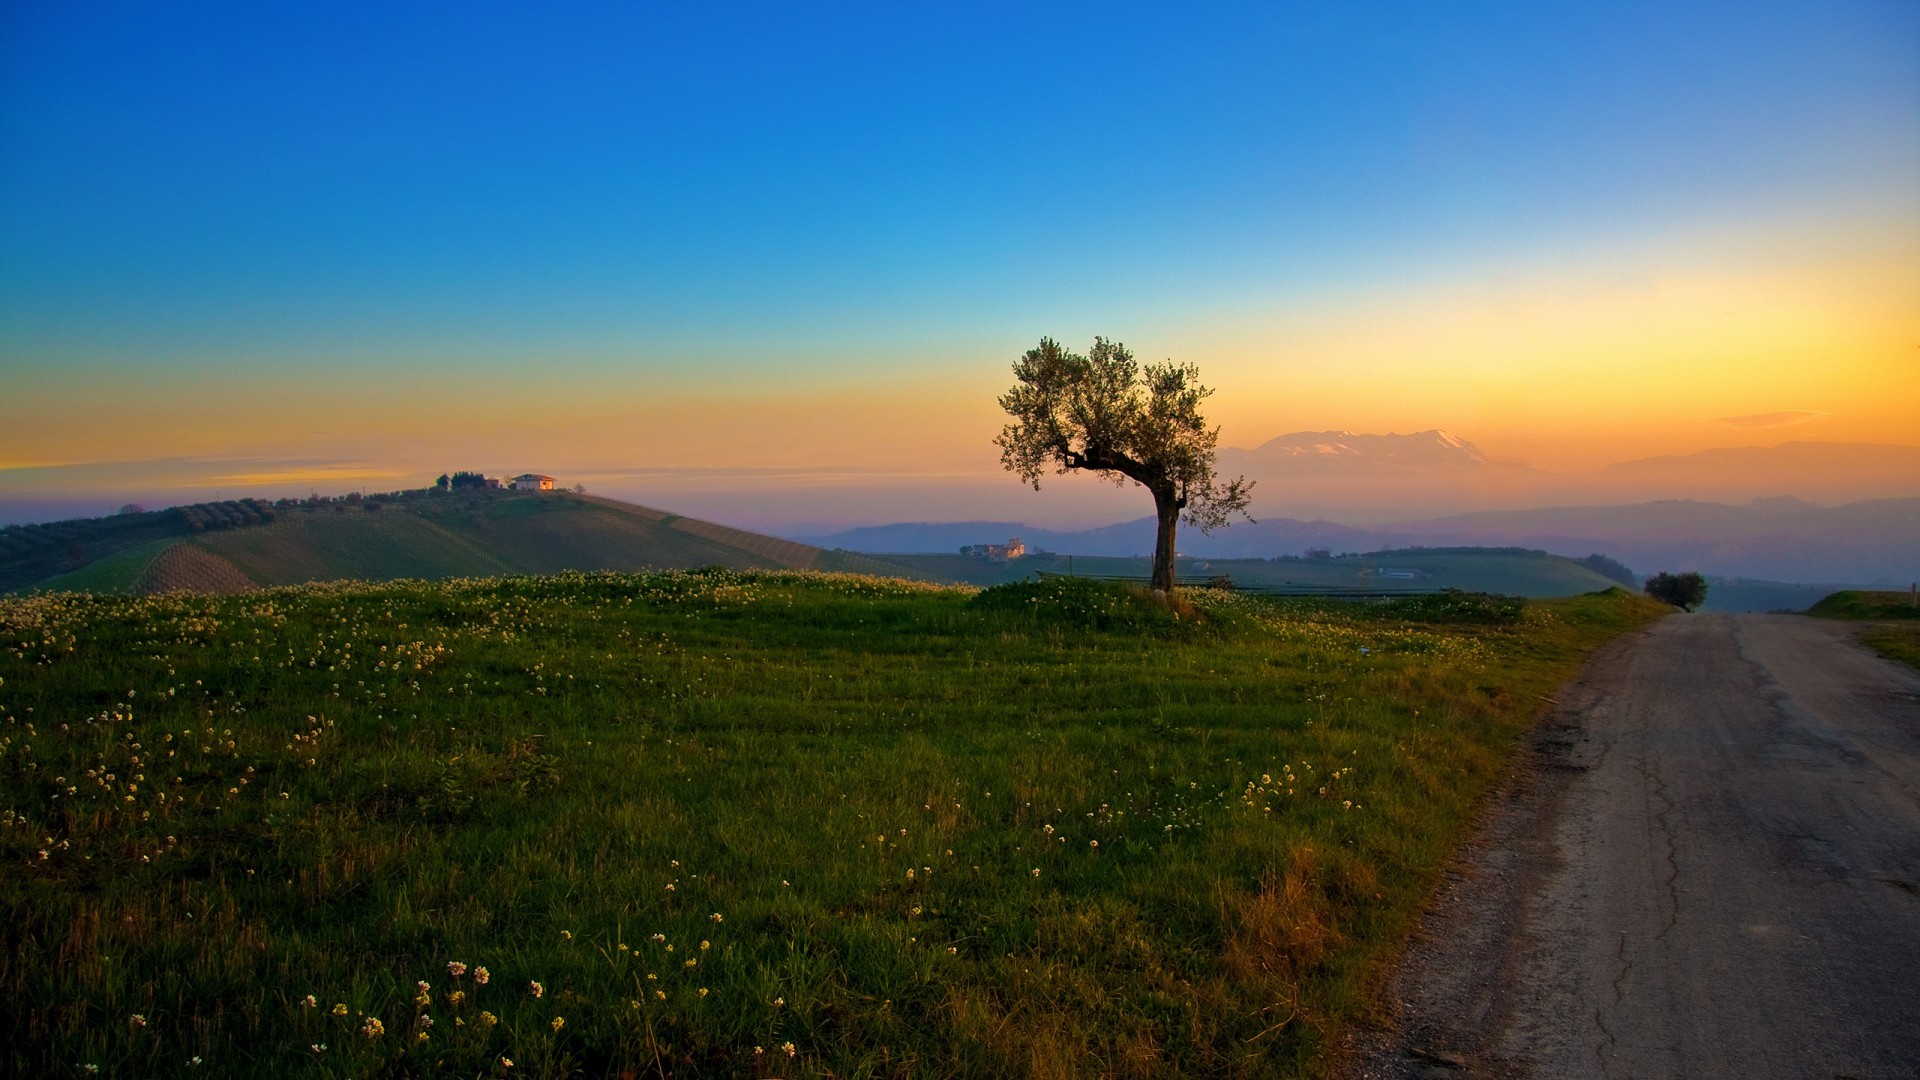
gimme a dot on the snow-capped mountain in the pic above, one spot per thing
(1418, 449)
(1364, 478)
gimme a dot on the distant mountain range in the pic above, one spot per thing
(1428, 488)
(1346, 475)
(1766, 512)
(1778, 539)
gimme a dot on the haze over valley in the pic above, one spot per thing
(1795, 511)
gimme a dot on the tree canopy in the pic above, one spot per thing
(1684, 591)
(1104, 413)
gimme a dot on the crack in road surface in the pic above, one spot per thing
(1607, 1040)
(1687, 875)
(1669, 852)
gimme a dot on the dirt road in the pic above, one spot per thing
(1710, 867)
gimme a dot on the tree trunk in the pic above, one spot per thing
(1167, 509)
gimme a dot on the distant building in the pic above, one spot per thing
(1012, 549)
(532, 482)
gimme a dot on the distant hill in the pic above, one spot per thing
(31, 553)
(946, 537)
(1748, 594)
(1856, 604)
(1279, 536)
(407, 535)
(1777, 539)
(1510, 571)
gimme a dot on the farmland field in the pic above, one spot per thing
(118, 572)
(719, 823)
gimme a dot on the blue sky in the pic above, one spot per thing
(257, 204)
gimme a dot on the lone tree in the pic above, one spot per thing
(1103, 413)
(1684, 591)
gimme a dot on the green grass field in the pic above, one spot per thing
(1862, 604)
(1898, 639)
(1895, 642)
(721, 823)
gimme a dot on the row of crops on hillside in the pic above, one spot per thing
(781, 552)
(323, 548)
(232, 514)
(184, 566)
(32, 553)
(134, 526)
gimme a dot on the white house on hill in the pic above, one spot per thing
(1012, 549)
(532, 482)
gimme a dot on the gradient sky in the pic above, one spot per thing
(772, 263)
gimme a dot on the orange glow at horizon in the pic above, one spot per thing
(1568, 370)
(1575, 372)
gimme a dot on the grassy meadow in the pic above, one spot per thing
(1895, 642)
(734, 823)
(1865, 604)
(1896, 633)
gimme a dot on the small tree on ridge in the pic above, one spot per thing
(1101, 412)
(1684, 591)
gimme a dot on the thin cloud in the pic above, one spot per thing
(1785, 418)
(173, 474)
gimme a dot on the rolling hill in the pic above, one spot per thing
(1779, 539)
(486, 533)
(1508, 571)
(409, 535)
(1775, 539)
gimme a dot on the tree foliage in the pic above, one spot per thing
(1610, 568)
(1106, 414)
(1684, 591)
